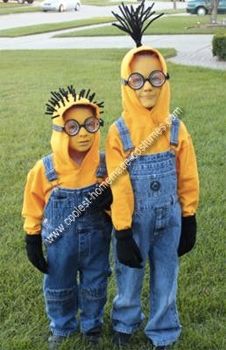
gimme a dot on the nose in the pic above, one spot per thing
(83, 132)
(147, 86)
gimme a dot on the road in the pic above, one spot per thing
(26, 19)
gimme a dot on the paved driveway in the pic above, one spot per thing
(26, 19)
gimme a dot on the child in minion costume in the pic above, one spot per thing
(156, 198)
(64, 207)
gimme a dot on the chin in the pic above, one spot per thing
(148, 105)
(84, 149)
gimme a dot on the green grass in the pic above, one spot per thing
(165, 25)
(51, 27)
(26, 80)
(10, 8)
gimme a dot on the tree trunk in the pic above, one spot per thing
(213, 11)
(174, 4)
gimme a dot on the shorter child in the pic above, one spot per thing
(60, 209)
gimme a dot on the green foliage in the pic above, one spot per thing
(219, 46)
(27, 77)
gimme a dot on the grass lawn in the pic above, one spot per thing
(51, 27)
(9, 8)
(166, 25)
(26, 80)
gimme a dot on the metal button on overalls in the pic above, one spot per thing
(155, 185)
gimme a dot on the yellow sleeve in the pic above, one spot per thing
(123, 200)
(34, 199)
(187, 174)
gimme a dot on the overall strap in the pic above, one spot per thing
(102, 170)
(49, 168)
(174, 132)
(124, 134)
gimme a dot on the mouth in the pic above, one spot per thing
(83, 142)
(147, 96)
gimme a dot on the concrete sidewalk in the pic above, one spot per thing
(195, 50)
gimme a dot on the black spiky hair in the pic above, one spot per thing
(132, 21)
(63, 99)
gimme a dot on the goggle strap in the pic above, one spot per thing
(57, 128)
(124, 82)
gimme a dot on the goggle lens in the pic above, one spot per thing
(136, 81)
(71, 127)
(92, 124)
(157, 78)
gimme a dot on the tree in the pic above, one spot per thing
(213, 11)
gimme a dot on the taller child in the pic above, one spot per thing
(156, 198)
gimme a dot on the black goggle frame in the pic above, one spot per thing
(143, 80)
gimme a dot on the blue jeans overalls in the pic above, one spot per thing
(156, 228)
(78, 265)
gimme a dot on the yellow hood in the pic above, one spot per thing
(60, 146)
(70, 174)
(140, 120)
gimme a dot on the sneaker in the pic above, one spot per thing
(55, 341)
(93, 335)
(120, 339)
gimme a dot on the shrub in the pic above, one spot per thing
(219, 46)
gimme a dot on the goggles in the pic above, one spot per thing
(91, 124)
(136, 80)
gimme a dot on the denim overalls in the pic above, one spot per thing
(156, 229)
(81, 250)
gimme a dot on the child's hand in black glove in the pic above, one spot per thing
(188, 234)
(35, 253)
(127, 250)
(102, 201)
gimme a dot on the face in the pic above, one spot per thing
(83, 141)
(145, 64)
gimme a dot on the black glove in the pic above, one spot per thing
(35, 253)
(102, 201)
(127, 250)
(188, 234)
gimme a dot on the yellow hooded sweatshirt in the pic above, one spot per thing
(141, 122)
(70, 174)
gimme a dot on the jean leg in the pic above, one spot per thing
(163, 327)
(60, 286)
(94, 272)
(127, 312)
